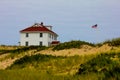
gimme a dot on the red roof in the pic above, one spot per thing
(37, 28)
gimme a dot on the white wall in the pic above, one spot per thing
(34, 39)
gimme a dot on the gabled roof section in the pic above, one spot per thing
(38, 28)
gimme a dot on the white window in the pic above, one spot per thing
(55, 38)
(49, 35)
(26, 43)
(27, 34)
(52, 37)
(41, 43)
(41, 34)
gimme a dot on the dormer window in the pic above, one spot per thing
(27, 34)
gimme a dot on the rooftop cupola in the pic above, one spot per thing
(38, 24)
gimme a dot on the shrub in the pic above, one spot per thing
(113, 73)
(29, 59)
(23, 49)
(71, 44)
(113, 42)
(39, 58)
(102, 63)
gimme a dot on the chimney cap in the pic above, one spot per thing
(42, 23)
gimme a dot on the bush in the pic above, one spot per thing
(33, 58)
(113, 73)
(23, 49)
(71, 44)
(113, 42)
(39, 58)
(103, 64)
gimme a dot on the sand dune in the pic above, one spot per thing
(84, 50)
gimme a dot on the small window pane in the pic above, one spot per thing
(26, 43)
(27, 34)
(41, 34)
(41, 43)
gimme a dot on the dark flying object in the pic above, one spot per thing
(94, 26)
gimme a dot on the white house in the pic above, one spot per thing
(38, 35)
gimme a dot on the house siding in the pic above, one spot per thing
(35, 39)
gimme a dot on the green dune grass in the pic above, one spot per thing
(102, 66)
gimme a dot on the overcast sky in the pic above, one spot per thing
(71, 19)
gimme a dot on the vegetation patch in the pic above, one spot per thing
(28, 74)
(56, 65)
(33, 60)
(113, 42)
(19, 50)
(106, 63)
(23, 49)
(71, 44)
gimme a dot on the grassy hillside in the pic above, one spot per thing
(82, 61)
(45, 67)
(107, 65)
